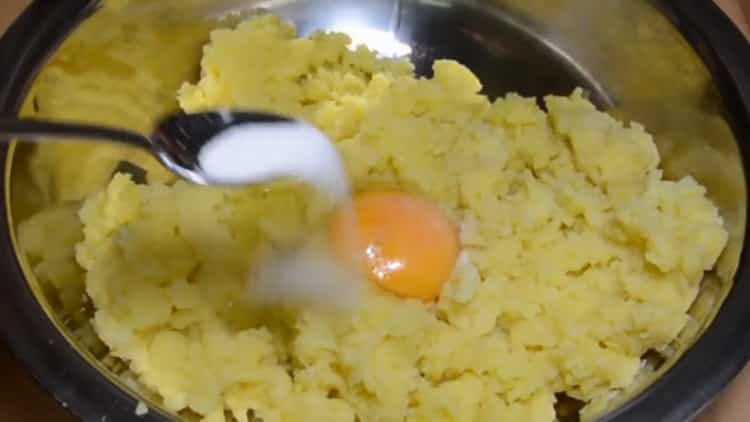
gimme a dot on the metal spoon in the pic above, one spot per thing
(177, 141)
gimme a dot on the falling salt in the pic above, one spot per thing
(262, 152)
(309, 276)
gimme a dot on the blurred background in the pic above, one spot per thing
(22, 400)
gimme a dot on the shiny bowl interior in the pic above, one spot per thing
(626, 54)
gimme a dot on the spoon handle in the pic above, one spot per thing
(11, 128)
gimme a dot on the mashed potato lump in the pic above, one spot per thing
(577, 257)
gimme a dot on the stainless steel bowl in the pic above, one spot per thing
(679, 67)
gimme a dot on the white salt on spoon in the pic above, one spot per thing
(265, 151)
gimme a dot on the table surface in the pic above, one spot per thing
(21, 399)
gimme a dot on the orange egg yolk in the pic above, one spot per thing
(404, 243)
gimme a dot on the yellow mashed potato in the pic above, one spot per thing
(577, 257)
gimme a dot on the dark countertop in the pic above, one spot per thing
(21, 398)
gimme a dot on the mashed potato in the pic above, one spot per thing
(577, 257)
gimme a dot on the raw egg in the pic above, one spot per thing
(404, 243)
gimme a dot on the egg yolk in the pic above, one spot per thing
(404, 243)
